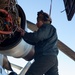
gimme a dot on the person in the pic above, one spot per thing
(4, 62)
(45, 44)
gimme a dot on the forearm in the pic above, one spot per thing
(29, 38)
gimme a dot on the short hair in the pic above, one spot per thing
(43, 16)
(13, 73)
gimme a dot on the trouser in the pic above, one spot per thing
(45, 64)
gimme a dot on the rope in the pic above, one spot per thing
(50, 8)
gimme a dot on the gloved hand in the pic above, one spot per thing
(19, 29)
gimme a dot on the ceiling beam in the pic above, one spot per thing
(65, 49)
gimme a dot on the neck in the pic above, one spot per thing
(47, 22)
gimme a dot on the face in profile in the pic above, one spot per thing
(39, 23)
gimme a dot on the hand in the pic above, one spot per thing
(19, 29)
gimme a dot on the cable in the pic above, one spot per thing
(50, 8)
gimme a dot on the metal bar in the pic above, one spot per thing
(65, 49)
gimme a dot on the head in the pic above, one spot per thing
(13, 73)
(42, 18)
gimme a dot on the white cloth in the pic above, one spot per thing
(1, 59)
(2, 71)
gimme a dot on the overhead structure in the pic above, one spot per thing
(69, 8)
(66, 50)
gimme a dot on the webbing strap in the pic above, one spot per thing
(50, 8)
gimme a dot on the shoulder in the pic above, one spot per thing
(48, 26)
(53, 27)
